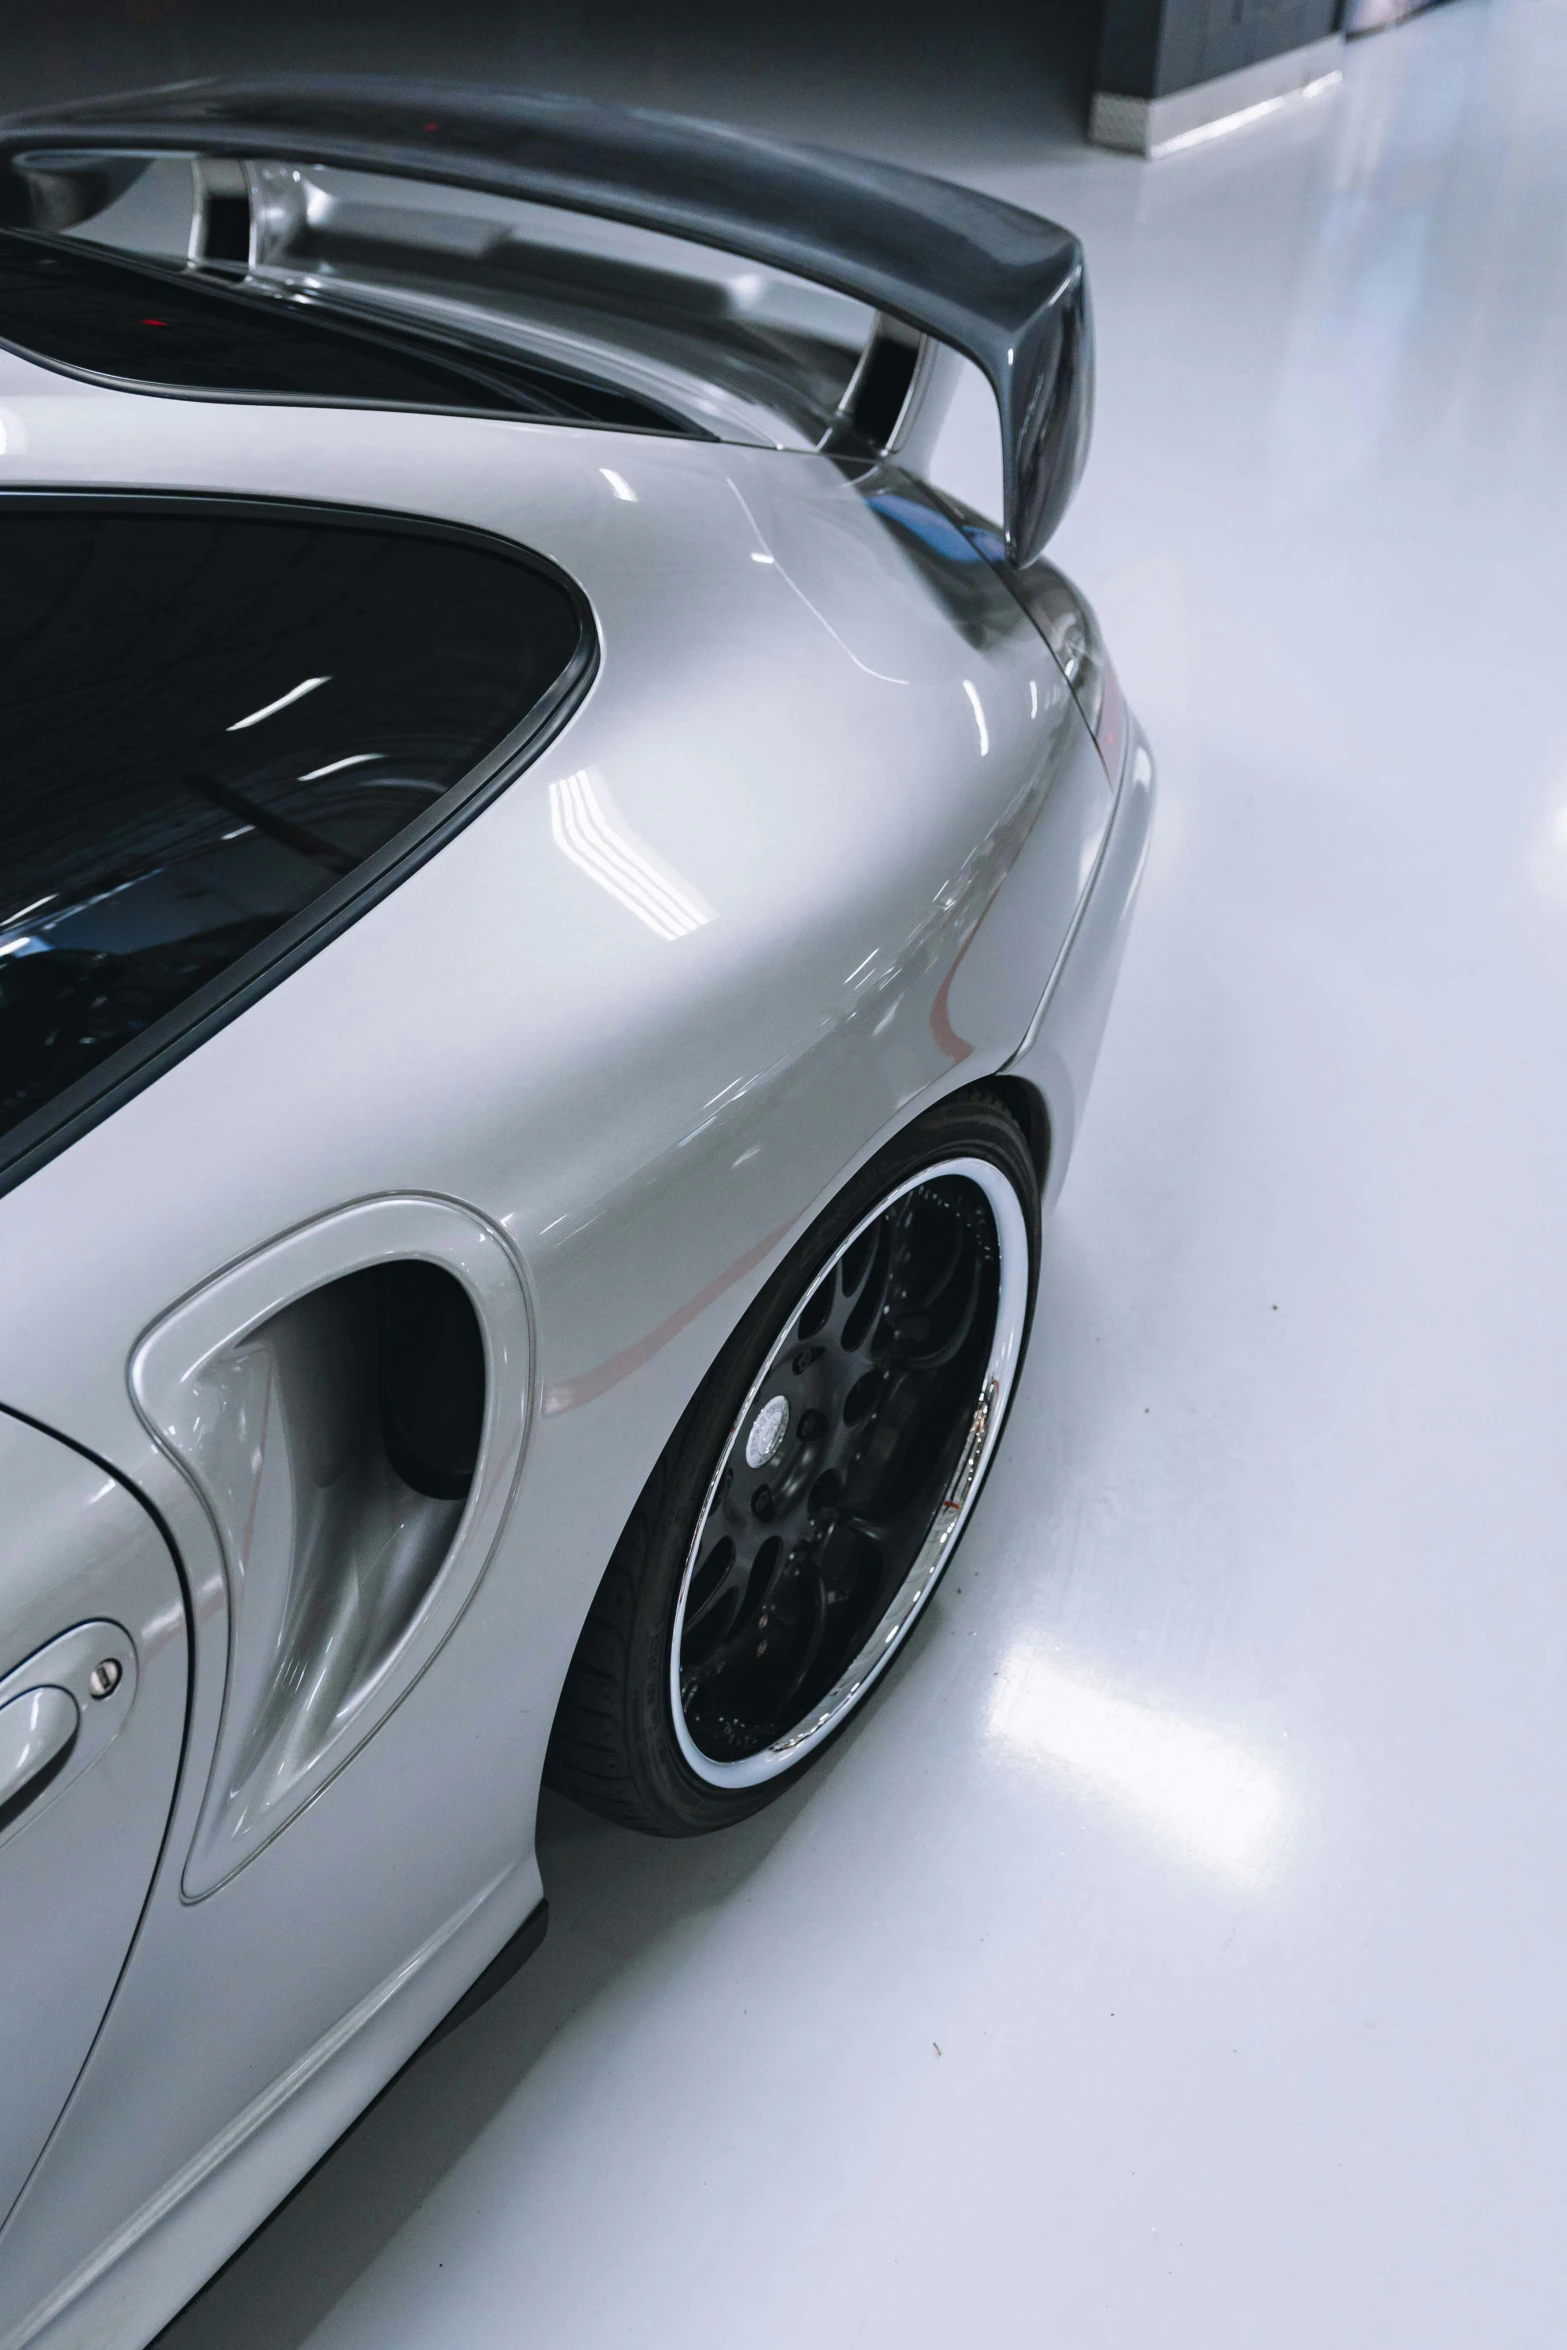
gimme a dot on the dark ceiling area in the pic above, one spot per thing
(991, 83)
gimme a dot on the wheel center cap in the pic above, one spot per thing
(768, 1431)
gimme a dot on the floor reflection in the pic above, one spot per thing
(1206, 1797)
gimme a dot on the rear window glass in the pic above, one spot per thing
(177, 331)
(211, 718)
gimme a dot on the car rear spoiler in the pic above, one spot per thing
(1004, 287)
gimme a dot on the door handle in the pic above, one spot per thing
(37, 1732)
(59, 1709)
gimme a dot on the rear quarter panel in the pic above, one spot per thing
(876, 802)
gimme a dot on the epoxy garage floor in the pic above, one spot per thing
(1174, 1955)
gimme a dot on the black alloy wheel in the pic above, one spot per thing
(812, 1495)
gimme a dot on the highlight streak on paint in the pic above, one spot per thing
(588, 830)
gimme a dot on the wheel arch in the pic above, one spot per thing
(1027, 1105)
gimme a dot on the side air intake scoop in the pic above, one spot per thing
(1002, 286)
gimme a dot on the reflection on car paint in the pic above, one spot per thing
(763, 553)
(589, 829)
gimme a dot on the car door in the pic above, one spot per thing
(93, 1672)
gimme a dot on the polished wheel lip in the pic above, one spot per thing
(823, 1718)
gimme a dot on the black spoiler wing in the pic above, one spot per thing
(1003, 286)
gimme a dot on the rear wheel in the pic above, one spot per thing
(810, 1500)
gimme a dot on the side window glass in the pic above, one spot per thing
(211, 716)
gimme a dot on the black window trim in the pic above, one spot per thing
(35, 1140)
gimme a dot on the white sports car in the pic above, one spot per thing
(559, 903)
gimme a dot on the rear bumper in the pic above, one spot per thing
(1059, 1054)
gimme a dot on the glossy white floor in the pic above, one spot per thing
(1175, 1955)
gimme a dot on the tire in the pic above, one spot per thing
(810, 1499)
